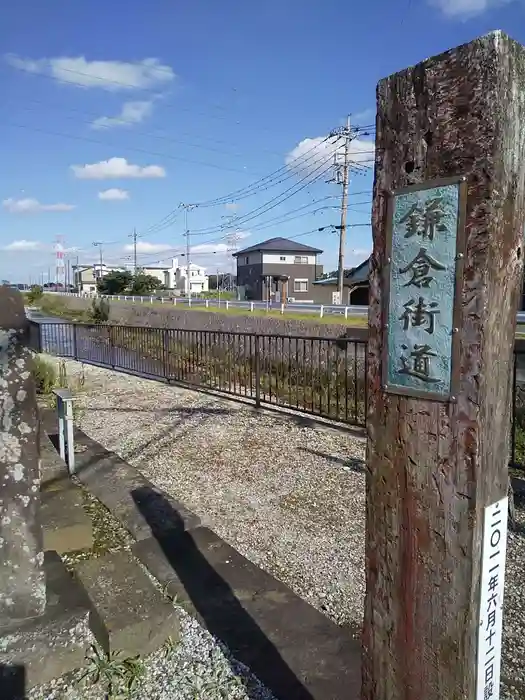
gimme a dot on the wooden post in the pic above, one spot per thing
(446, 274)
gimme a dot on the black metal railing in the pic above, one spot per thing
(517, 452)
(320, 376)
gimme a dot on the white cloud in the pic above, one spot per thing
(231, 206)
(466, 8)
(32, 206)
(131, 113)
(107, 75)
(318, 153)
(146, 247)
(113, 194)
(23, 244)
(116, 168)
(366, 115)
(360, 254)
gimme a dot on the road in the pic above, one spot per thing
(293, 307)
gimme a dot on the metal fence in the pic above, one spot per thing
(518, 407)
(319, 376)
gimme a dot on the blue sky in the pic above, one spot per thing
(189, 102)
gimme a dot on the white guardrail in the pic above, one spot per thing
(291, 307)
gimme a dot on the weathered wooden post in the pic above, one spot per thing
(446, 273)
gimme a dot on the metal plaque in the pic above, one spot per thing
(422, 284)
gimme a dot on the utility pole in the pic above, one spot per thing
(342, 178)
(99, 245)
(186, 208)
(134, 236)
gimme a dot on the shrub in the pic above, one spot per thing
(100, 311)
(35, 294)
(45, 375)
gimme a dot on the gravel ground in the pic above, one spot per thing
(197, 668)
(287, 495)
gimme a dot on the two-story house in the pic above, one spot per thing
(195, 282)
(276, 270)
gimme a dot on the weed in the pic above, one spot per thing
(118, 675)
(100, 311)
(170, 645)
(35, 294)
(62, 374)
(45, 375)
(211, 680)
(174, 598)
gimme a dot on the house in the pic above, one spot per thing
(276, 270)
(175, 277)
(355, 287)
(85, 276)
(195, 283)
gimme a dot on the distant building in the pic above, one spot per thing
(173, 276)
(355, 287)
(276, 270)
(196, 282)
(85, 276)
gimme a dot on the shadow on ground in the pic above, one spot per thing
(12, 682)
(216, 603)
(356, 465)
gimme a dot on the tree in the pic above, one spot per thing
(116, 282)
(142, 284)
(35, 294)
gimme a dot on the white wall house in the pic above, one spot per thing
(196, 282)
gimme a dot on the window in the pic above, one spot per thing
(283, 258)
(300, 285)
(247, 260)
(301, 259)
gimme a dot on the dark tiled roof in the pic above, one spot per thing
(281, 245)
(355, 275)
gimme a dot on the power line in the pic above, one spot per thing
(276, 201)
(176, 252)
(125, 123)
(136, 131)
(129, 148)
(169, 219)
(154, 92)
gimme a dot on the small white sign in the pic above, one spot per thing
(490, 628)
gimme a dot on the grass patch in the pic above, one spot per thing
(57, 306)
(45, 375)
(330, 319)
(118, 675)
